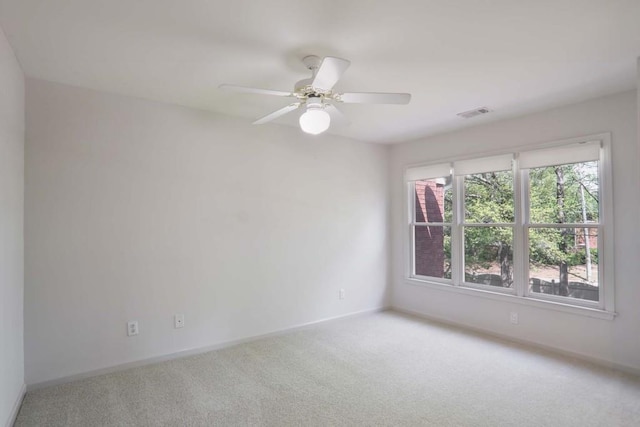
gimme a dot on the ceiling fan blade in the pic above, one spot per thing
(243, 89)
(277, 113)
(337, 117)
(375, 98)
(329, 72)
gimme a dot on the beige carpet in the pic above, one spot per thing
(378, 369)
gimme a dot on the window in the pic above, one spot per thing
(528, 224)
(431, 220)
(488, 220)
(562, 221)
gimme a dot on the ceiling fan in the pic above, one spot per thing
(317, 98)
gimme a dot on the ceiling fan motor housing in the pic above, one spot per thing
(314, 103)
(302, 85)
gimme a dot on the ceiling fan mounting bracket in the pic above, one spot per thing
(312, 62)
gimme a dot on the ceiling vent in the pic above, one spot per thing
(474, 112)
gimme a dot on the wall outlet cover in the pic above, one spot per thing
(132, 328)
(513, 317)
(178, 321)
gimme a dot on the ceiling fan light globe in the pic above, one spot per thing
(315, 121)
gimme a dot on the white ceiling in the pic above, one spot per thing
(514, 56)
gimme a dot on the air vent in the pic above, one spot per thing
(474, 112)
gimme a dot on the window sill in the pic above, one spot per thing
(499, 296)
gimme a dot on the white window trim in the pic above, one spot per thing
(603, 309)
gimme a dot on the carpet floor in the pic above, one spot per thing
(371, 370)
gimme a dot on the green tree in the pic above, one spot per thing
(489, 200)
(559, 195)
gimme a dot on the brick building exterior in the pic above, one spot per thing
(429, 241)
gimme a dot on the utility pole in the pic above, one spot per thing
(585, 233)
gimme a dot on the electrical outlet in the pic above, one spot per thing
(341, 294)
(132, 328)
(178, 321)
(513, 317)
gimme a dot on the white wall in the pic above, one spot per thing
(11, 230)
(137, 210)
(615, 341)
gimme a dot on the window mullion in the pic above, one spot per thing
(457, 250)
(410, 217)
(602, 297)
(521, 247)
(412, 239)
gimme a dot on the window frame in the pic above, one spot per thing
(462, 224)
(599, 226)
(412, 227)
(520, 292)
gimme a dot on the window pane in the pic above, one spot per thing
(564, 193)
(433, 200)
(488, 255)
(563, 262)
(432, 246)
(488, 197)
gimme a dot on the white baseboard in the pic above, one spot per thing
(192, 351)
(559, 351)
(16, 406)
